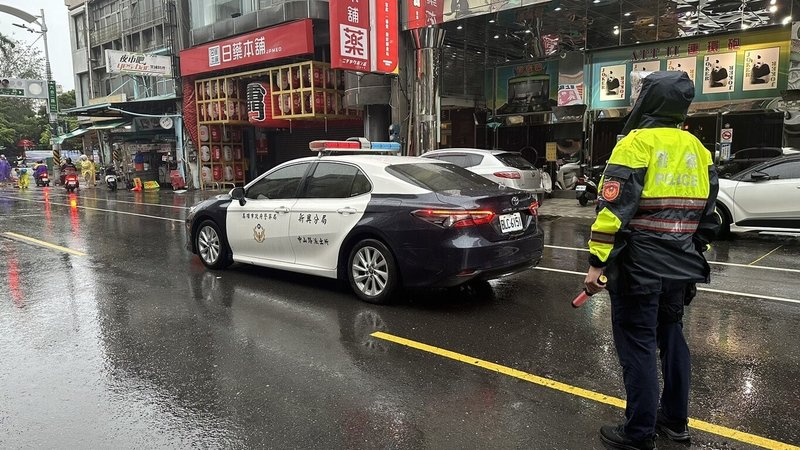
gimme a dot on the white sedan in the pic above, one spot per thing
(765, 197)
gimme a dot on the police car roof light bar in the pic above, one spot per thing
(354, 144)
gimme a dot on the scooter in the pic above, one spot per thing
(43, 179)
(111, 179)
(586, 186)
(71, 182)
(567, 175)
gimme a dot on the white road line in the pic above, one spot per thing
(745, 266)
(99, 209)
(716, 291)
(107, 200)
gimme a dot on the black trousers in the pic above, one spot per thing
(642, 324)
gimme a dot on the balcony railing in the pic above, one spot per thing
(140, 21)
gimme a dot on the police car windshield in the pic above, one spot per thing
(439, 177)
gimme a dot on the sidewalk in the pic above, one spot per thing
(563, 207)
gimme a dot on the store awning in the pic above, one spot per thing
(72, 134)
(110, 125)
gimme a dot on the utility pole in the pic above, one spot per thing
(53, 115)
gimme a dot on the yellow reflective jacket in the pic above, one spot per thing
(655, 211)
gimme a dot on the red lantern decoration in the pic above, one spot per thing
(237, 153)
(217, 173)
(215, 133)
(216, 153)
(236, 135)
(239, 172)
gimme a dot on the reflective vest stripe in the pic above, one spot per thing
(672, 202)
(665, 225)
(604, 238)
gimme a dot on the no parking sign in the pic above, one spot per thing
(726, 136)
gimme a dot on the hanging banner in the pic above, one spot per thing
(350, 35)
(384, 36)
(133, 63)
(291, 39)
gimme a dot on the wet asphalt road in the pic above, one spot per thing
(136, 345)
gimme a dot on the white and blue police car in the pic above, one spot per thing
(360, 213)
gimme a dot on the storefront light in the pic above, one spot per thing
(627, 14)
(460, 27)
(558, 8)
(773, 8)
(787, 20)
(616, 31)
(772, 2)
(497, 36)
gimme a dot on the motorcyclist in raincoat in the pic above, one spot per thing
(5, 170)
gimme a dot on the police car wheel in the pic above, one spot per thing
(211, 247)
(372, 271)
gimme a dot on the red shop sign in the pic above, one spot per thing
(292, 39)
(385, 23)
(422, 13)
(350, 33)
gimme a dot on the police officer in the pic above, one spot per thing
(655, 219)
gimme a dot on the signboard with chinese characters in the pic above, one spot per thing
(723, 67)
(291, 39)
(385, 38)
(350, 35)
(422, 13)
(138, 63)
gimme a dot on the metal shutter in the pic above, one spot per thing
(294, 144)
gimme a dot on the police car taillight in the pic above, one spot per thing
(446, 218)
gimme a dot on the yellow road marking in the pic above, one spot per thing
(773, 251)
(59, 248)
(579, 392)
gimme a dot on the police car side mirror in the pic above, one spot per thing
(238, 194)
(759, 176)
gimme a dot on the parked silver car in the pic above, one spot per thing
(506, 168)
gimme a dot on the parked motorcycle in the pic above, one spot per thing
(567, 175)
(111, 178)
(586, 186)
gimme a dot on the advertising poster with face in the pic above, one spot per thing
(719, 73)
(688, 65)
(761, 69)
(612, 82)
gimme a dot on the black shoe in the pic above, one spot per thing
(676, 431)
(614, 437)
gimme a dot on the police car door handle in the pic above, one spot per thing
(281, 210)
(346, 211)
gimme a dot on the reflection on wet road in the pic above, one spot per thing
(135, 344)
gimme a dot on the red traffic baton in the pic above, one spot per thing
(585, 295)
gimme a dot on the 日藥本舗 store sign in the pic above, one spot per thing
(748, 65)
(133, 63)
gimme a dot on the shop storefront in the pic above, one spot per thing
(257, 99)
(739, 81)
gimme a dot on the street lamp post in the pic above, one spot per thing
(52, 115)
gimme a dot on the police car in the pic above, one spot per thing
(360, 213)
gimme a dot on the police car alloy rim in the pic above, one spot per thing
(208, 244)
(370, 271)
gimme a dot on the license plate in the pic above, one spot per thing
(580, 187)
(510, 222)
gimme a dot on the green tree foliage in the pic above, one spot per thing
(20, 118)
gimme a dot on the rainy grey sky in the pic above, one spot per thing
(58, 35)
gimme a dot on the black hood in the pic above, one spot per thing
(662, 103)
